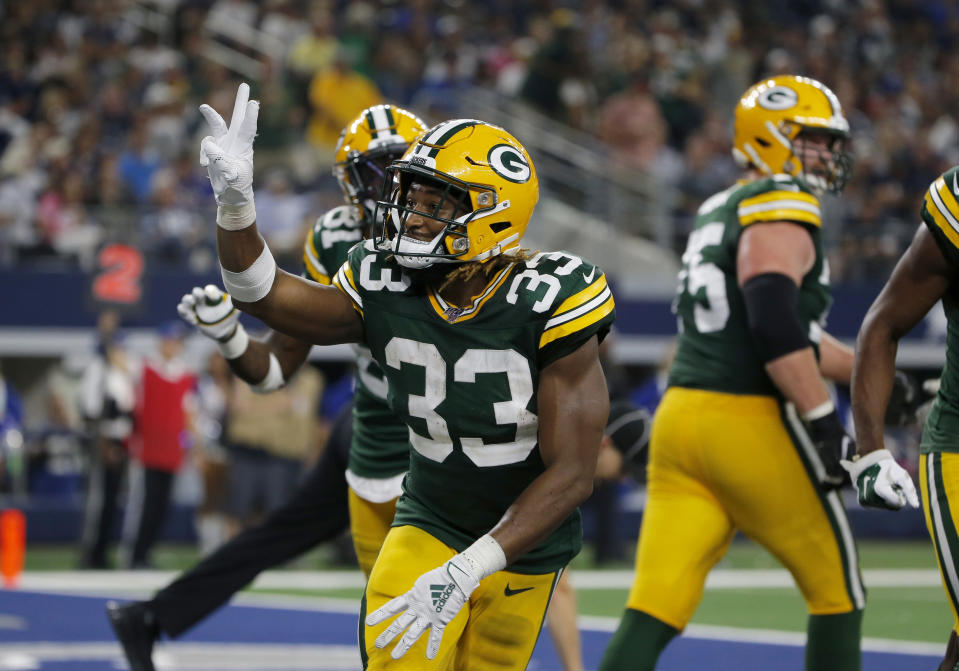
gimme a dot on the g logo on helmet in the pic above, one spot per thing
(509, 163)
(778, 98)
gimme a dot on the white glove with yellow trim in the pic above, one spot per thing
(210, 310)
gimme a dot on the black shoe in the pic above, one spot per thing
(136, 628)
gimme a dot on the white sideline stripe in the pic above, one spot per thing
(191, 656)
(119, 582)
(761, 578)
(771, 636)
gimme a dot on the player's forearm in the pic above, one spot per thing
(573, 409)
(541, 508)
(252, 366)
(835, 359)
(238, 250)
(797, 376)
(872, 380)
(253, 363)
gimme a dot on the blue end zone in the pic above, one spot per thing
(28, 618)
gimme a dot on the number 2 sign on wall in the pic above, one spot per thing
(118, 280)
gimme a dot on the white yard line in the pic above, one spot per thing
(190, 656)
(120, 582)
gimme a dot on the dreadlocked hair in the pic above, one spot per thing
(467, 271)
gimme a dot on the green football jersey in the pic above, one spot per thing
(465, 381)
(379, 448)
(940, 212)
(715, 349)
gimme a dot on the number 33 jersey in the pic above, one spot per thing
(715, 350)
(465, 380)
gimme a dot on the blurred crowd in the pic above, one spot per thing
(99, 123)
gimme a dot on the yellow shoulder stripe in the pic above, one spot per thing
(580, 323)
(942, 205)
(780, 206)
(310, 247)
(343, 280)
(312, 271)
(311, 259)
(586, 294)
(770, 196)
(785, 214)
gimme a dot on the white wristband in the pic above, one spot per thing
(235, 217)
(862, 463)
(485, 556)
(819, 411)
(254, 283)
(273, 380)
(236, 345)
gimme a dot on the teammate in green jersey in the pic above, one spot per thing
(925, 274)
(491, 359)
(746, 436)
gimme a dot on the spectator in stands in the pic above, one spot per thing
(632, 122)
(138, 163)
(173, 231)
(282, 216)
(315, 50)
(160, 439)
(559, 71)
(63, 223)
(337, 94)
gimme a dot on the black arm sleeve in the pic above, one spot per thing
(771, 308)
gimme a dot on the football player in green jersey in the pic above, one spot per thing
(746, 437)
(491, 359)
(925, 274)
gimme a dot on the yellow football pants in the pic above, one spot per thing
(369, 524)
(939, 482)
(722, 462)
(496, 630)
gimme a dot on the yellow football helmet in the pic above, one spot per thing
(373, 140)
(774, 112)
(482, 170)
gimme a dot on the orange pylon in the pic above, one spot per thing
(13, 545)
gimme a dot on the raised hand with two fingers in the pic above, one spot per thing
(227, 154)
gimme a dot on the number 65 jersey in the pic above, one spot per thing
(465, 379)
(716, 350)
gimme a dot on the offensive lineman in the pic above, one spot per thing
(746, 436)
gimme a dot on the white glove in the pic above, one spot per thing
(437, 596)
(881, 482)
(227, 155)
(210, 310)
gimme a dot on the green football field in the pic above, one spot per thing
(749, 589)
